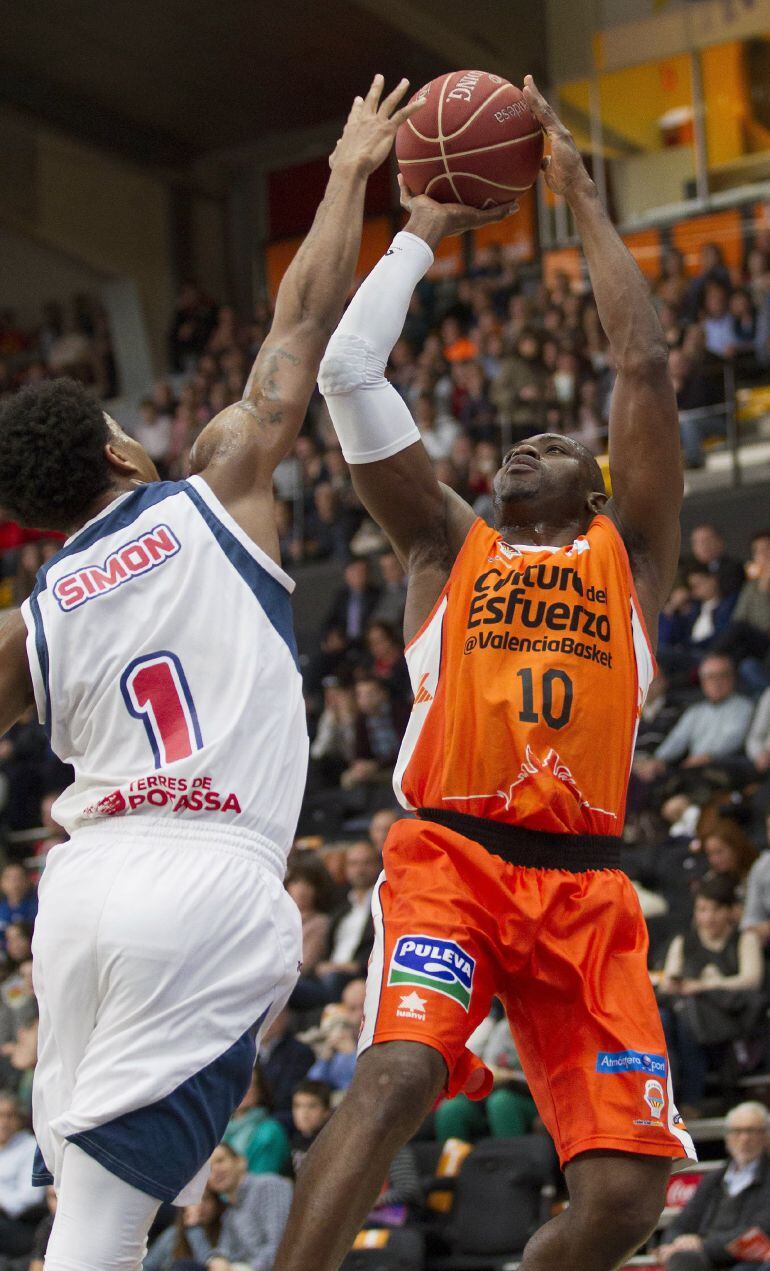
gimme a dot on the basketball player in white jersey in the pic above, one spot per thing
(158, 648)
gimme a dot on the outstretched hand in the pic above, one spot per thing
(434, 221)
(564, 167)
(372, 126)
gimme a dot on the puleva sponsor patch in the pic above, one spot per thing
(630, 1061)
(441, 965)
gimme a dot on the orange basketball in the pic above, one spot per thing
(474, 140)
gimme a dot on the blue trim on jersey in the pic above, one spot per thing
(41, 645)
(159, 1149)
(272, 595)
(125, 514)
(144, 715)
(41, 1175)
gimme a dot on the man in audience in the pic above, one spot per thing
(747, 639)
(256, 1213)
(380, 723)
(711, 730)
(351, 934)
(285, 1061)
(728, 1203)
(756, 911)
(18, 898)
(20, 1202)
(354, 603)
(380, 825)
(708, 548)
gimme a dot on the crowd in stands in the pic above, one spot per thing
(71, 338)
(486, 358)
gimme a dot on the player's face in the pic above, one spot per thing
(547, 469)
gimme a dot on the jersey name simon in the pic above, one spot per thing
(532, 671)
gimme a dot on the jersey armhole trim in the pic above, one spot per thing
(202, 487)
(423, 627)
(37, 656)
(618, 538)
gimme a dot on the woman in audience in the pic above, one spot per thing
(729, 854)
(254, 1134)
(311, 887)
(194, 1235)
(710, 990)
(257, 1206)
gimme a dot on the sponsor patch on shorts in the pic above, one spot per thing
(611, 1062)
(430, 963)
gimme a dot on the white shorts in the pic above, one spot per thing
(160, 954)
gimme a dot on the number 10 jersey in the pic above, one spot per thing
(165, 669)
(529, 678)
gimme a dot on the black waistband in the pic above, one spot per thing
(536, 849)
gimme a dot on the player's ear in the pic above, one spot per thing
(119, 458)
(596, 501)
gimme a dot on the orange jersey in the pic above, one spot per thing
(529, 677)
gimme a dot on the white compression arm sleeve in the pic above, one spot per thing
(370, 418)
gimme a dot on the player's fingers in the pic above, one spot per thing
(544, 113)
(406, 112)
(404, 191)
(490, 215)
(355, 109)
(545, 165)
(372, 100)
(391, 101)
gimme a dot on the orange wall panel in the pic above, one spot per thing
(723, 228)
(517, 232)
(567, 260)
(644, 246)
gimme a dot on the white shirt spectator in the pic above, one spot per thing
(17, 1193)
(758, 740)
(350, 929)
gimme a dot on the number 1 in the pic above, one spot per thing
(156, 691)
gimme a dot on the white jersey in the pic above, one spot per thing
(162, 651)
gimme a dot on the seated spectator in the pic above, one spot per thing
(380, 725)
(390, 606)
(708, 548)
(727, 1202)
(18, 898)
(195, 1234)
(257, 1206)
(311, 1107)
(285, 1060)
(756, 911)
(505, 1113)
(18, 945)
(386, 659)
(351, 933)
(43, 1233)
(354, 603)
(328, 527)
(254, 1134)
(747, 639)
(380, 825)
(333, 748)
(758, 740)
(711, 610)
(20, 1202)
(438, 432)
(710, 988)
(713, 729)
(729, 854)
(334, 1043)
(310, 886)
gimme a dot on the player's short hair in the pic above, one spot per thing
(52, 461)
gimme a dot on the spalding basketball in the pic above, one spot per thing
(473, 140)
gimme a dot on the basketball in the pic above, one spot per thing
(474, 140)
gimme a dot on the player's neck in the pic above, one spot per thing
(119, 487)
(540, 533)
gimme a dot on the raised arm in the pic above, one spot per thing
(390, 467)
(241, 447)
(645, 454)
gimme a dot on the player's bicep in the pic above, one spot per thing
(246, 441)
(646, 468)
(403, 496)
(16, 691)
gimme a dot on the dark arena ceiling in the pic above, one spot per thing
(167, 81)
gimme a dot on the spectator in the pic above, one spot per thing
(257, 1206)
(729, 853)
(747, 639)
(710, 988)
(708, 548)
(254, 1134)
(728, 1202)
(505, 1113)
(18, 898)
(153, 431)
(311, 1108)
(380, 725)
(756, 913)
(285, 1060)
(758, 740)
(386, 659)
(714, 729)
(194, 1235)
(310, 886)
(43, 1234)
(20, 1202)
(718, 324)
(328, 527)
(334, 1043)
(334, 746)
(351, 935)
(390, 606)
(379, 827)
(354, 603)
(438, 432)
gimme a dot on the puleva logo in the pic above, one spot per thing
(435, 964)
(630, 1061)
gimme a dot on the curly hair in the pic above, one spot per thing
(52, 461)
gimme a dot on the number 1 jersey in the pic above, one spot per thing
(529, 677)
(165, 669)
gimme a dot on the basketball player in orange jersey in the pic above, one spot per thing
(530, 658)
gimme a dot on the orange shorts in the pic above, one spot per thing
(566, 952)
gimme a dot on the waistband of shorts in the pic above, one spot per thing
(231, 838)
(534, 849)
